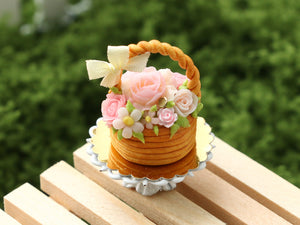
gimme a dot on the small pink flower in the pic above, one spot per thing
(167, 117)
(185, 102)
(110, 107)
(149, 119)
(143, 89)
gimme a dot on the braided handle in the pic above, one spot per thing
(184, 61)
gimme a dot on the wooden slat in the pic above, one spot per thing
(87, 199)
(5, 219)
(30, 206)
(225, 201)
(256, 181)
(162, 208)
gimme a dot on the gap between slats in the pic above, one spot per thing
(256, 181)
(225, 201)
(225, 212)
(29, 206)
(5, 219)
(87, 199)
(162, 208)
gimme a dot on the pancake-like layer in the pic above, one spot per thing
(157, 150)
(181, 167)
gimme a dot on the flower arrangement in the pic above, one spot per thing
(146, 99)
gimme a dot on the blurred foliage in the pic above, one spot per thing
(247, 53)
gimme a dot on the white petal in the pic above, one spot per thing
(151, 113)
(149, 126)
(137, 127)
(155, 121)
(177, 110)
(111, 79)
(122, 112)
(136, 115)
(118, 124)
(138, 63)
(127, 132)
(97, 69)
(118, 56)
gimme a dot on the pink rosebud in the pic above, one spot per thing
(143, 89)
(110, 107)
(166, 117)
(185, 102)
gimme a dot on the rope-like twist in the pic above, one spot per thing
(176, 54)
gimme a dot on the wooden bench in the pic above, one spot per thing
(233, 189)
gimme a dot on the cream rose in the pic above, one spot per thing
(185, 102)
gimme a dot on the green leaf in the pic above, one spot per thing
(153, 108)
(182, 122)
(174, 129)
(139, 136)
(184, 85)
(156, 130)
(199, 107)
(197, 110)
(114, 130)
(116, 90)
(170, 104)
(195, 114)
(120, 134)
(129, 106)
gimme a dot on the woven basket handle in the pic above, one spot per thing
(184, 61)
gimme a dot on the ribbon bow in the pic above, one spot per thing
(118, 57)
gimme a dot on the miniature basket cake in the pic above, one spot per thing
(149, 135)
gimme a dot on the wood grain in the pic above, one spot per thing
(5, 219)
(256, 181)
(87, 199)
(30, 206)
(162, 208)
(225, 201)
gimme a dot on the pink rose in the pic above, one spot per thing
(174, 79)
(185, 102)
(168, 75)
(179, 79)
(110, 107)
(166, 117)
(143, 89)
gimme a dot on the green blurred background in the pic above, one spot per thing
(247, 53)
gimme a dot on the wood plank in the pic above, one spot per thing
(6, 219)
(30, 206)
(87, 199)
(256, 181)
(225, 201)
(162, 208)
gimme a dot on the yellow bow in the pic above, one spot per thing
(118, 57)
